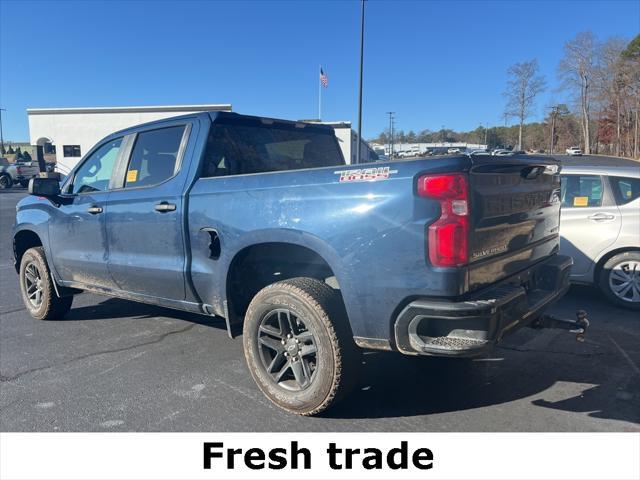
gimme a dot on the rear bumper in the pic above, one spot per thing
(473, 326)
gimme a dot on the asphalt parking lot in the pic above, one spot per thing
(114, 365)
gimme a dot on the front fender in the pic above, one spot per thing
(34, 214)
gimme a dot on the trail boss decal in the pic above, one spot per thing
(365, 174)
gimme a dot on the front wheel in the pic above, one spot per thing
(5, 182)
(36, 286)
(620, 279)
(298, 345)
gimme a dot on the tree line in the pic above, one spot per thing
(601, 85)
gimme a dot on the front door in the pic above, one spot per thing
(144, 219)
(77, 230)
(590, 221)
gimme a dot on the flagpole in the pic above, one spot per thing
(319, 93)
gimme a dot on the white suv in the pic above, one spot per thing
(574, 151)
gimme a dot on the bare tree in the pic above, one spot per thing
(631, 75)
(523, 86)
(609, 86)
(576, 70)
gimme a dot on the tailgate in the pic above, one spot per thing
(515, 215)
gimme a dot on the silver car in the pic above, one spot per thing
(600, 228)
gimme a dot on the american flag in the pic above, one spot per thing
(324, 80)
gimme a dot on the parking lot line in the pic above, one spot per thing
(624, 354)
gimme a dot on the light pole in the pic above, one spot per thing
(360, 89)
(1, 135)
(554, 112)
(390, 134)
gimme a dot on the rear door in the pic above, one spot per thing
(144, 222)
(590, 220)
(514, 215)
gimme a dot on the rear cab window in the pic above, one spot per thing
(625, 189)
(238, 148)
(579, 191)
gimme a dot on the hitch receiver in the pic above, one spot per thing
(578, 326)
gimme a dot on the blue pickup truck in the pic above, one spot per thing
(260, 221)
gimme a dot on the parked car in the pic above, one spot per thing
(259, 221)
(453, 150)
(501, 152)
(479, 152)
(15, 173)
(574, 151)
(406, 153)
(600, 229)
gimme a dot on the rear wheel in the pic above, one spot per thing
(36, 286)
(298, 345)
(620, 279)
(5, 182)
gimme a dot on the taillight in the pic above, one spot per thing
(448, 236)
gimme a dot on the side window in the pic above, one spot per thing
(154, 156)
(581, 191)
(94, 174)
(625, 189)
(236, 149)
(71, 151)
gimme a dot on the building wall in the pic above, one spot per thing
(85, 129)
(347, 139)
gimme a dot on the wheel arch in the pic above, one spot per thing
(23, 240)
(607, 256)
(260, 264)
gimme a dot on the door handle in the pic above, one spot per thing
(598, 217)
(164, 207)
(94, 209)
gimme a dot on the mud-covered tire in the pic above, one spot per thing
(5, 182)
(35, 277)
(320, 316)
(620, 268)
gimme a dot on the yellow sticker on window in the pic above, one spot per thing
(581, 201)
(132, 175)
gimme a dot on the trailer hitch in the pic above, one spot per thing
(579, 326)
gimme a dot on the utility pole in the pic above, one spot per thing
(485, 135)
(390, 134)
(554, 112)
(360, 89)
(1, 135)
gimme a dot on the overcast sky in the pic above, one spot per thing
(434, 63)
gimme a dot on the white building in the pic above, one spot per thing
(348, 141)
(69, 133)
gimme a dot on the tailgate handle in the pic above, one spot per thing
(601, 216)
(532, 172)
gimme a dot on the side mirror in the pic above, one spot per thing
(44, 187)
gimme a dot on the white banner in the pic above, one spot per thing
(297, 455)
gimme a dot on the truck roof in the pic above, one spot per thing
(232, 117)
